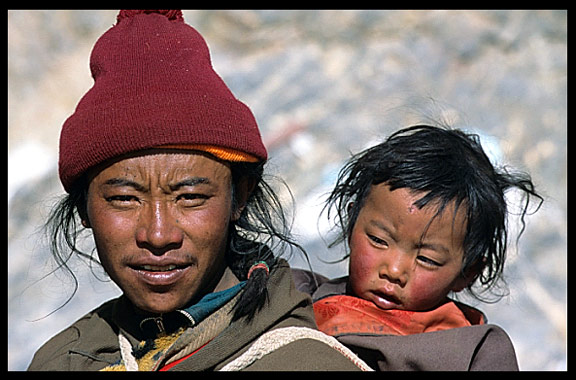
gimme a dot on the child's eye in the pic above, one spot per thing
(378, 241)
(428, 261)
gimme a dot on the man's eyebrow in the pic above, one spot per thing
(119, 182)
(192, 181)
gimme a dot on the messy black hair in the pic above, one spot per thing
(261, 233)
(446, 165)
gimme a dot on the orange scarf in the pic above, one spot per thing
(338, 315)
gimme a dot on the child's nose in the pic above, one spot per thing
(396, 267)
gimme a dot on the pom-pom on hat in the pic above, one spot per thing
(154, 86)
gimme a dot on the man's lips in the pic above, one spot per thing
(158, 268)
(160, 263)
(160, 272)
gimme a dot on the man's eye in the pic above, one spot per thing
(192, 199)
(121, 198)
(191, 196)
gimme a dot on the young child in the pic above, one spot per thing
(424, 216)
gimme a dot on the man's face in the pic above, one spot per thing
(160, 223)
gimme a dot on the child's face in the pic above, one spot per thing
(392, 265)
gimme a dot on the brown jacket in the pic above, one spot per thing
(92, 343)
(474, 348)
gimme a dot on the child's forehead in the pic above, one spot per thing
(419, 199)
(402, 203)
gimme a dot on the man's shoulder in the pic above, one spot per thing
(55, 353)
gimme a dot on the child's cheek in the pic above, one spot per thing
(363, 268)
(426, 291)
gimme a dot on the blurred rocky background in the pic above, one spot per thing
(323, 85)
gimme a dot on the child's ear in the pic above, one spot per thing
(244, 188)
(349, 207)
(469, 276)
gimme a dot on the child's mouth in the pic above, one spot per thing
(386, 301)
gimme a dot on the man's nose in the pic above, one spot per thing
(158, 230)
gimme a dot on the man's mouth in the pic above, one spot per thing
(161, 275)
(158, 268)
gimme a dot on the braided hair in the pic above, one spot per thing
(261, 230)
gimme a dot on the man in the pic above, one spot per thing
(165, 165)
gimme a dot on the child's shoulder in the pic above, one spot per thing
(317, 285)
(472, 348)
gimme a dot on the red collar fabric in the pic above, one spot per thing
(341, 314)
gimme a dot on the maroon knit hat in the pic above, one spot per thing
(154, 86)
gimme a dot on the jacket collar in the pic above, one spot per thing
(142, 325)
(332, 295)
(98, 331)
(284, 304)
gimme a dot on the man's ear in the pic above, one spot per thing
(82, 212)
(469, 276)
(244, 188)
